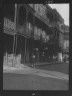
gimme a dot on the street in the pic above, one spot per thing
(63, 67)
(32, 82)
(34, 79)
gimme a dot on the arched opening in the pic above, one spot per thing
(22, 15)
(29, 44)
(30, 18)
(20, 49)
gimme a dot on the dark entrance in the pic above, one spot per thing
(8, 49)
(20, 49)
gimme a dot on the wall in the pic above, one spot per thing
(64, 43)
(61, 40)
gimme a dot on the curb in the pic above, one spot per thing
(43, 73)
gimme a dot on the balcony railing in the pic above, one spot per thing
(51, 24)
(40, 13)
(58, 25)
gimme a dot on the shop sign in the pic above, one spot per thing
(9, 26)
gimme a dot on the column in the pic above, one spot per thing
(26, 37)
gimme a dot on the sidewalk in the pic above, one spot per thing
(45, 63)
(29, 70)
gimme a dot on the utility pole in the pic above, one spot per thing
(13, 63)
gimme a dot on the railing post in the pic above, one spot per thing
(26, 37)
(13, 51)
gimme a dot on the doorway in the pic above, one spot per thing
(20, 49)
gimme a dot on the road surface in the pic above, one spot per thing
(34, 79)
(63, 67)
(32, 82)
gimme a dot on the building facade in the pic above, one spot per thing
(66, 43)
(31, 34)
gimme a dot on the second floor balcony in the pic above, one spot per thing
(59, 26)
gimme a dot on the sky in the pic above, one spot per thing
(63, 9)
